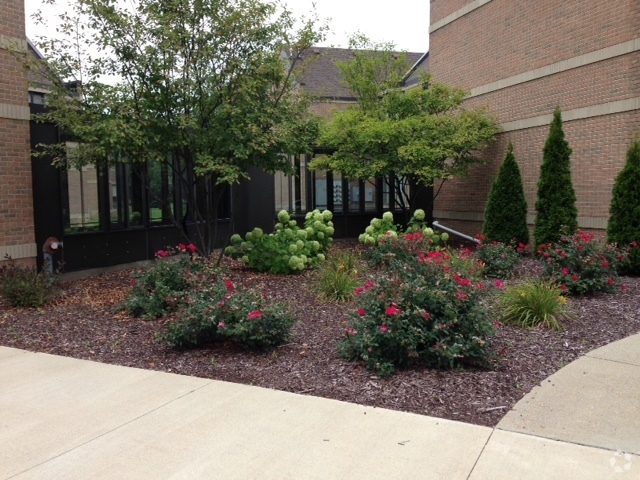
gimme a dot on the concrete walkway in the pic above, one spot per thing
(62, 418)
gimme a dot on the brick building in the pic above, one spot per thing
(16, 205)
(523, 59)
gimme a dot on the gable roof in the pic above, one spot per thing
(321, 77)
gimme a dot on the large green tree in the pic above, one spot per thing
(505, 216)
(624, 219)
(556, 211)
(206, 87)
(416, 135)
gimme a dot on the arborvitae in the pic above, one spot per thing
(505, 216)
(624, 219)
(556, 212)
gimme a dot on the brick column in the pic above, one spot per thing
(17, 236)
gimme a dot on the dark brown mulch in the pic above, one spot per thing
(81, 324)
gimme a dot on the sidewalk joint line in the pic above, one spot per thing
(612, 361)
(112, 430)
(481, 452)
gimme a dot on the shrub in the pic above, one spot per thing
(255, 326)
(25, 286)
(498, 259)
(534, 303)
(556, 205)
(289, 248)
(505, 216)
(338, 277)
(158, 289)
(217, 309)
(624, 221)
(581, 264)
(425, 313)
(396, 250)
(379, 228)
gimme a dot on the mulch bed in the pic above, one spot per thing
(81, 323)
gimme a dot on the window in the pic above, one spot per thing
(81, 206)
(126, 204)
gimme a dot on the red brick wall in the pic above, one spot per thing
(505, 38)
(16, 207)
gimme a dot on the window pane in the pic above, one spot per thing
(370, 195)
(354, 196)
(337, 192)
(386, 184)
(321, 190)
(82, 210)
(401, 193)
(283, 191)
(160, 193)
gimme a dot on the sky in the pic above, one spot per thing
(402, 22)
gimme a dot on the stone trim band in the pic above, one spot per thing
(609, 108)
(562, 66)
(583, 222)
(456, 15)
(14, 112)
(19, 251)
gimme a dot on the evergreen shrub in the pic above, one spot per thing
(505, 216)
(624, 221)
(556, 204)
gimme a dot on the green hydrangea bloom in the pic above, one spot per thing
(428, 232)
(327, 215)
(257, 233)
(444, 237)
(302, 234)
(283, 216)
(387, 216)
(293, 248)
(236, 239)
(419, 215)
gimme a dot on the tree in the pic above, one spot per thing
(624, 219)
(415, 136)
(505, 216)
(556, 212)
(205, 88)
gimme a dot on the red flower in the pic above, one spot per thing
(565, 271)
(191, 247)
(462, 281)
(611, 281)
(229, 285)
(221, 325)
(623, 288)
(499, 285)
(461, 296)
(384, 328)
(426, 315)
(392, 311)
(574, 278)
(634, 244)
(605, 264)
(254, 314)
(358, 291)
(361, 311)
(182, 247)
(563, 287)
(162, 254)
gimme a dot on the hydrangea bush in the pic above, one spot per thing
(289, 249)
(430, 312)
(581, 264)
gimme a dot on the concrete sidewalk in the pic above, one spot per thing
(62, 418)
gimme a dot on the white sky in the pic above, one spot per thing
(402, 22)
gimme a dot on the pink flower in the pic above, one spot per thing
(392, 311)
(496, 324)
(461, 296)
(461, 281)
(623, 288)
(499, 285)
(191, 247)
(358, 291)
(133, 282)
(426, 315)
(361, 312)
(565, 271)
(182, 247)
(634, 244)
(229, 284)
(369, 284)
(162, 254)
(611, 281)
(221, 325)
(605, 264)
(384, 328)
(254, 314)
(574, 278)
(563, 287)
(351, 331)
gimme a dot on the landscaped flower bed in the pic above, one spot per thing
(83, 323)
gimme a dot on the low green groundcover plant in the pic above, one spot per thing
(289, 249)
(25, 286)
(430, 312)
(533, 303)
(338, 277)
(581, 264)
